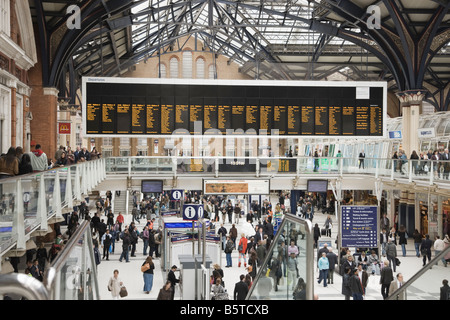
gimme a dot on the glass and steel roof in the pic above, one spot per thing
(292, 39)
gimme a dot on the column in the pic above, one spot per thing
(411, 104)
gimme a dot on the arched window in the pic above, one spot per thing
(200, 68)
(162, 69)
(211, 71)
(187, 64)
(174, 67)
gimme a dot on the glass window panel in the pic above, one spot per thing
(174, 67)
(283, 275)
(200, 68)
(187, 64)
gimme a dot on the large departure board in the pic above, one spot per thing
(161, 107)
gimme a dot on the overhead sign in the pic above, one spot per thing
(161, 107)
(176, 194)
(64, 127)
(192, 212)
(239, 187)
(426, 133)
(237, 165)
(359, 227)
(395, 134)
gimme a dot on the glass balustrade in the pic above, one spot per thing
(73, 274)
(28, 201)
(427, 283)
(287, 272)
(411, 170)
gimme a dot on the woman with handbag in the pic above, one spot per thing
(147, 269)
(114, 285)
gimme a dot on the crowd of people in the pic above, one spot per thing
(356, 268)
(17, 162)
(422, 163)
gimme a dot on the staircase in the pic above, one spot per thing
(119, 203)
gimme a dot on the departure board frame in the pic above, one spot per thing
(158, 108)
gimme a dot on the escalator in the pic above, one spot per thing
(71, 276)
(426, 284)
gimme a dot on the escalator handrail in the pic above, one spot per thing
(421, 272)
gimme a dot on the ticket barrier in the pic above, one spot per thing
(195, 272)
(181, 239)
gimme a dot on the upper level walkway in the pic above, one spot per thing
(422, 173)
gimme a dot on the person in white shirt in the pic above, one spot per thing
(38, 159)
(439, 247)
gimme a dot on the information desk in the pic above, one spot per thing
(161, 107)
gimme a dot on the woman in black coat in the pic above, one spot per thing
(25, 164)
(316, 234)
(346, 285)
(445, 290)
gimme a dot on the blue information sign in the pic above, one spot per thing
(359, 226)
(192, 212)
(176, 194)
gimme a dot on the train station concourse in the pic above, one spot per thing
(204, 150)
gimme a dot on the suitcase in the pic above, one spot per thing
(323, 232)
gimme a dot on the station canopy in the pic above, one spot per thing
(288, 40)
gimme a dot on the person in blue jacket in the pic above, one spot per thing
(324, 266)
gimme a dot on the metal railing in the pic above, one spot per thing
(291, 228)
(429, 171)
(426, 283)
(72, 276)
(30, 202)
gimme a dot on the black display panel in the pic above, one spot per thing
(266, 116)
(138, 116)
(226, 107)
(321, 117)
(108, 110)
(153, 115)
(293, 117)
(307, 117)
(348, 118)
(123, 115)
(317, 186)
(93, 115)
(152, 186)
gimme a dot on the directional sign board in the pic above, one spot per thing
(192, 212)
(176, 194)
(359, 227)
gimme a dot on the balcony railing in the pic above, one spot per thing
(429, 171)
(71, 276)
(30, 202)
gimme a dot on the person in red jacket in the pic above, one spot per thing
(242, 248)
(120, 220)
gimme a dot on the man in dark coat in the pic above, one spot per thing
(386, 277)
(445, 290)
(356, 286)
(240, 289)
(106, 243)
(332, 260)
(425, 249)
(348, 264)
(126, 242)
(172, 279)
